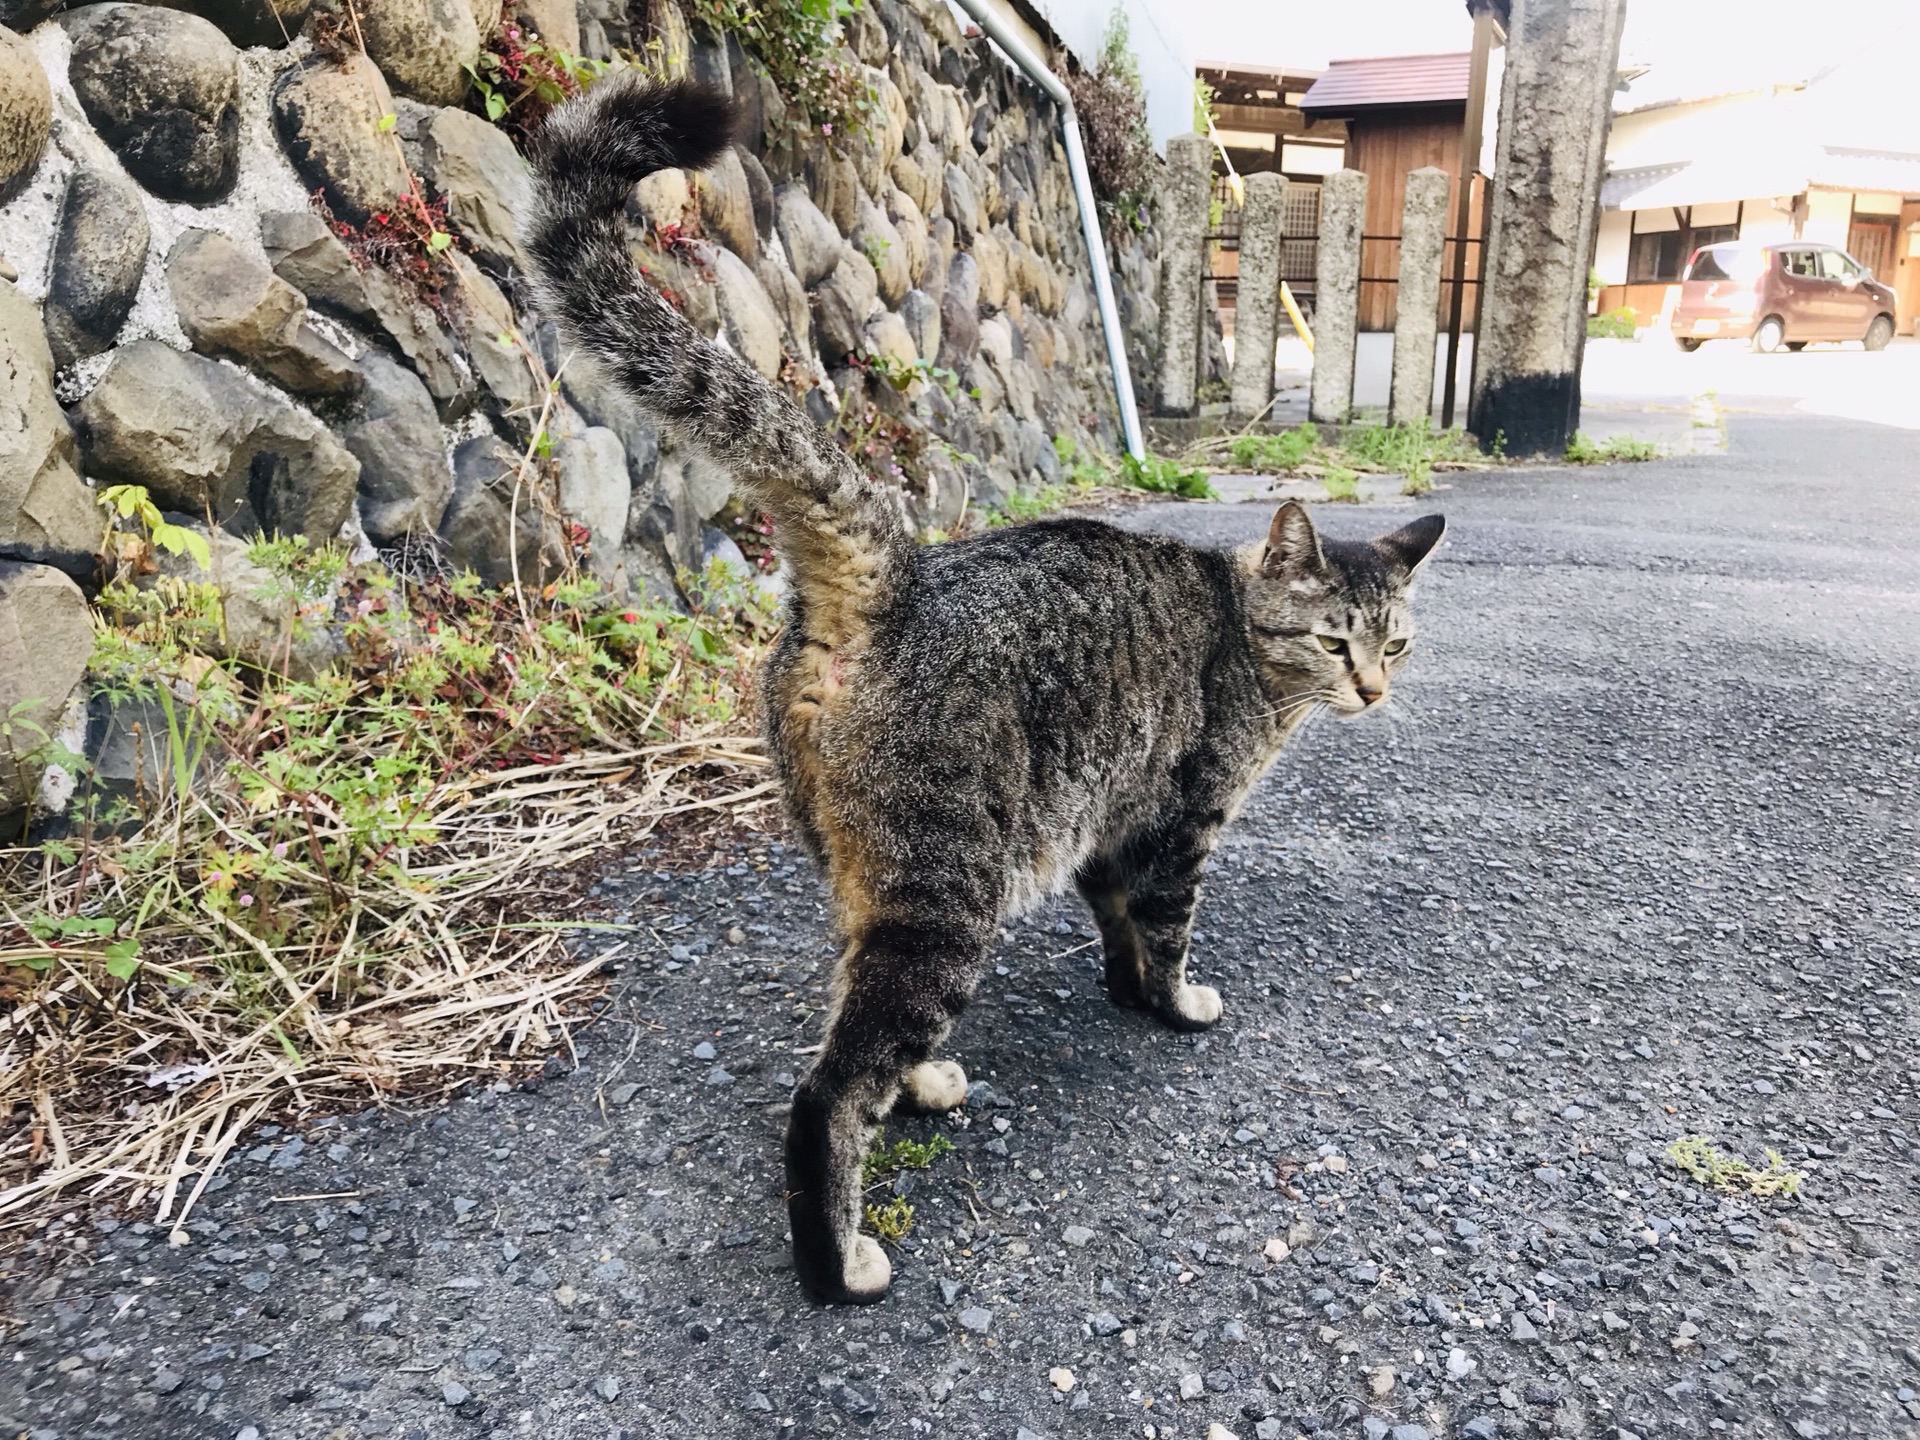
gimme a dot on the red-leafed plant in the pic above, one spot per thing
(410, 239)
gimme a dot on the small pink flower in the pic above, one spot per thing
(246, 900)
(280, 851)
(825, 128)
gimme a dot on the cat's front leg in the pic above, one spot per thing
(1161, 908)
(1146, 919)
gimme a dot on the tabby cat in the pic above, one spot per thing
(964, 728)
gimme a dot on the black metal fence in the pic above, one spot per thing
(1299, 244)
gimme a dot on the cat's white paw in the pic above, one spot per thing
(868, 1273)
(936, 1085)
(1198, 1005)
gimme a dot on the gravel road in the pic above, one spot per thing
(1632, 859)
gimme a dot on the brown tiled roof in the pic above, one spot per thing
(1350, 85)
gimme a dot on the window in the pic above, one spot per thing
(1661, 255)
(1655, 257)
(1803, 263)
(1836, 265)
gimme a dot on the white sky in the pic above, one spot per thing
(1695, 41)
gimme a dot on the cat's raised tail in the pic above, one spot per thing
(842, 538)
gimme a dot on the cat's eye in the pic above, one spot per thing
(1395, 647)
(1332, 644)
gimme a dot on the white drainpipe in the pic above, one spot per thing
(1030, 66)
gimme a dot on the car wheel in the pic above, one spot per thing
(1688, 343)
(1769, 336)
(1796, 346)
(1879, 333)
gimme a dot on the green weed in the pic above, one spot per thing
(892, 1221)
(1614, 325)
(132, 502)
(1583, 451)
(1162, 476)
(1342, 484)
(883, 1162)
(322, 859)
(1729, 1174)
(1285, 451)
(797, 44)
(518, 78)
(1404, 449)
(1083, 468)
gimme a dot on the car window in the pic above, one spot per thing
(1721, 263)
(1800, 262)
(1837, 265)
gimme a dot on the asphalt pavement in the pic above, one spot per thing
(1630, 860)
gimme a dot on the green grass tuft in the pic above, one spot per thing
(1583, 451)
(892, 1221)
(1614, 325)
(1729, 1174)
(1162, 476)
(1286, 451)
(885, 1161)
(1342, 485)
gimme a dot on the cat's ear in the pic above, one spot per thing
(1410, 545)
(1293, 548)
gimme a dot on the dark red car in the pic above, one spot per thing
(1783, 294)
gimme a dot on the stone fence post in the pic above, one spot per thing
(1187, 191)
(1556, 102)
(1336, 297)
(1256, 311)
(1416, 321)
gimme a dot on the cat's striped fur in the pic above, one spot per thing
(963, 728)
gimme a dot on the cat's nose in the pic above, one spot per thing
(1368, 693)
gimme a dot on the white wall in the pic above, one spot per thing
(1610, 249)
(1828, 213)
(1160, 43)
(1764, 224)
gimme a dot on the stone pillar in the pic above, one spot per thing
(1185, 195)
(1416, 319)
(1256, 311)
(1336, 295)
(1555, 106)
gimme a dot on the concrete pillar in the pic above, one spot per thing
(1416, 318)
(1555, 106)
(1256, 312)
(1185, 194)
(1336, 295)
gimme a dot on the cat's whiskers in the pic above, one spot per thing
(1295, 703)
(1404, 722)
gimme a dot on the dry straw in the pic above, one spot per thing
(138, 1090)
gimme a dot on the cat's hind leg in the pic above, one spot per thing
(902, 986)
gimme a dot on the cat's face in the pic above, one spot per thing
(1329, 618)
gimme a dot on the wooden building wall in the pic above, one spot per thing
(1904, 275)
(1387, 145)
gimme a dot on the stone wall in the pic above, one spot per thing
(194, 298)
